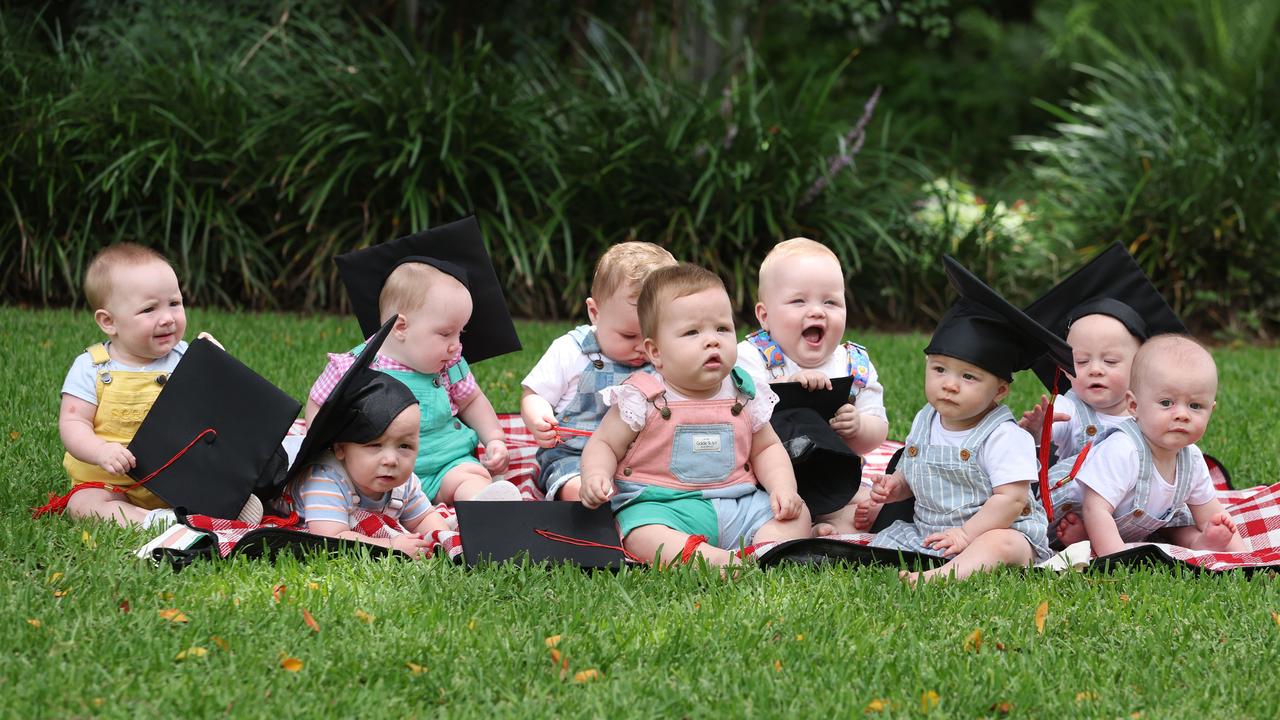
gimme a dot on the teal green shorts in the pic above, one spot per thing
(431, 485)
(684, 510)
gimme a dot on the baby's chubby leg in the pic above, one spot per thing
(667, 544)
(797, 527)
(106, 505)
(988, 551)
(463, 482)
(844, 520)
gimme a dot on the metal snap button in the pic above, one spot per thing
(435, 381)
(106, 378)
(162, 379)
(1138, 512)
(965, 454)
(746, 466)
(1091, 431)
(913, 451)
(626, 471)
(1026, 510)
(457, 425)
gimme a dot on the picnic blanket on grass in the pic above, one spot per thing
(1256, 512)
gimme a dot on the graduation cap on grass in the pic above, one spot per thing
(456, 249)
(984, 329)
(213, 435)
(827, 472)
(1110, 284)
(555, 532)
(359, 408)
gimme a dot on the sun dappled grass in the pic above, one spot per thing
(416, 639)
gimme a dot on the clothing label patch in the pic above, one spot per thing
(706, 443)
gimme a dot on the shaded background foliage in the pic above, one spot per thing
(252, 141)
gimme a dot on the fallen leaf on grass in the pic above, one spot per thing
(973, 643)
(364, 617)
(553, 641)
(777, 666)
(471, 624)
(555, 656)
(54, 578)
(313, 585)
(174, 615)
(277, 592)
(292, 664)
(587, 675)
(875, 706)
(928, 700)
(124, 606)
(88, 540)
(222, 644)
(799, 637)
(1124, 598)
(311, 622)
(1000, 646)
(59, 593)
(415, 668)
(34, 622)
(191, 652)
(14, 435)
(1086, 696)
(1001, 708)
(1275, 617)
(1042, 612)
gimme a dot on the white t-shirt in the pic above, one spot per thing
(1008, 455)
(633, 406)
(1064, 433)
(1111, 470)
(870, 400)
(555, 378)
(82, 378)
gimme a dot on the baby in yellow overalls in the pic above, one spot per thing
(111, 386)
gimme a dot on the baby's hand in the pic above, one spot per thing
(116, 459)
(950, 542)
(415, 546)
(889, 488)
(495, 457)
(812, 380)
(544, 431)
(847, 422)
(1033, 419)
(596, 490)
(786, 504)
(210, 338)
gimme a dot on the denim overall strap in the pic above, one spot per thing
(774, 360)
(1089, 428)
(1138, 524)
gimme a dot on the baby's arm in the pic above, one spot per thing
(429, 521)
(600, 458)
(773, 470)
(1099, 523)
(75, 426)
(309, 413)
(411, 545)
(1006, 503)
(478, 413)
(539, 417)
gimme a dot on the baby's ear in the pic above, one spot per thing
(106, 323)
(1131, 402)
(651, 352)
(762, 316)
(1002, 391)
(593, 311)
(400, 326)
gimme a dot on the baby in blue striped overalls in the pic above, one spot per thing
(967, 464)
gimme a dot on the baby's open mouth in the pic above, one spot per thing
(712, 362)
(813, 334)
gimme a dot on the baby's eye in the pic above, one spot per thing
(690, 332)
(970, 376)
(407, 446)
(936, 368)
(1197, 406)
(724, 329)
(796, 301)
(148, 309)
(834, 303)
(1165, 403)
(629, 336)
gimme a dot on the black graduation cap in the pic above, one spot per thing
(358, 409)
(1110, 284)
(456, 249)
(827, 472)
(213, 435)
(985, 330)
(556, 532)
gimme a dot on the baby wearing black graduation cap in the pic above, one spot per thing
(439, 291)
(357, 460)
(1105, 311)
(966, 462)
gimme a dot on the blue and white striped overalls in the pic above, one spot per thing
(560, 463)
(1138, 524)
(950, 487)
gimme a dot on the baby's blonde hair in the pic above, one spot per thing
(795, 247)
(406, 288)
(666, 284)
(97, 278)
(1182, 351)
(628, 262)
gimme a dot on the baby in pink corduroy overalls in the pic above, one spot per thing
(679, 455)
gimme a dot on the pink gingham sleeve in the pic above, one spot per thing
(328, 380)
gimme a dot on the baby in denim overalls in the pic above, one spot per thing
(802, 321)
(1136, 479)
(111, 387)
(679, 453)
(424, 351)
(563, 389)
(966, 462)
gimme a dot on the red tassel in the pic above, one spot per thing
(1046, 437)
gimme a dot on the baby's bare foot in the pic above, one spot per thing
(824, 529)
(1071, 530)
(864, 515)
(1216, 536)
(910, 578)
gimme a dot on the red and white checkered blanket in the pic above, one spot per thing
(1256, 512)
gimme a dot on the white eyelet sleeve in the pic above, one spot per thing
(761, 407)
(632, 405)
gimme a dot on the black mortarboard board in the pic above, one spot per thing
(1110, 284)
(824, 402)
(986, 330)
(358, 409)
(456, 249)
(246, 415)
(827, 472)
(507, 530)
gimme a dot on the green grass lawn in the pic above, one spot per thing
(84, 635)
